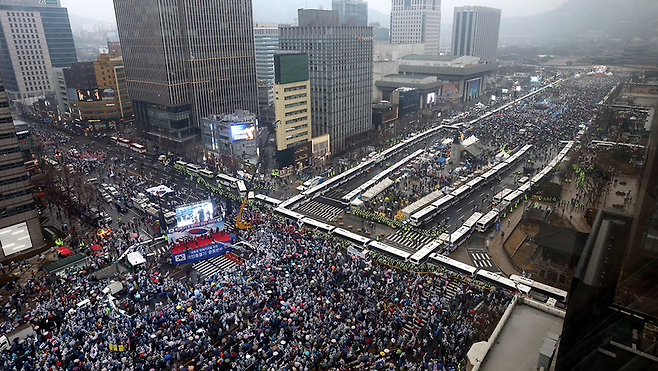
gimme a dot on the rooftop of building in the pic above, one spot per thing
(520, 341)
(382, 105)
(420, 82)
(237, 116)
(476, 8)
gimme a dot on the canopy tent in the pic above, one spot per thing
(135, 258)
(410, 209)
(95, 247)
(470, 141)
(441, 160)
(64, 250)
(377, 189)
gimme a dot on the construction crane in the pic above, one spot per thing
(239, 224)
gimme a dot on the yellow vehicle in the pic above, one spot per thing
(239, 224)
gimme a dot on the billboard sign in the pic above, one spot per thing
(473, 87)
(194, 213)
(108, 94)
(243, 132)
(431, 98)
(451, 87)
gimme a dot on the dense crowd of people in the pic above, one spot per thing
(298, 302)
(543, 120)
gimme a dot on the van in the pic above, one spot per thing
(113, 191)
(121, 208)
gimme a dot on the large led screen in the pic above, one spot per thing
(195, 213)
(473, 88)
(15, 239)
(243, 132)
(431, 98)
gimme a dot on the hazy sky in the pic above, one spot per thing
(103, 10)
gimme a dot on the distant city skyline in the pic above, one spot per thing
(103, 10)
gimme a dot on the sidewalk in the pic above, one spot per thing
(496, 245)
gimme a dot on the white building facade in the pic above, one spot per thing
(417, 22)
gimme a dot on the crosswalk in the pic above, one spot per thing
(159, 249)
(411, 240)
(212, 266)
(320, 210)
(335, 194)
(481, 259)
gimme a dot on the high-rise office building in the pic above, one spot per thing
(292, 110)
(475, 32)
(186, 59)
(340, 71)
(20, 229)
(266, 37)
(35, 36)
(417, 22)
(351, 12)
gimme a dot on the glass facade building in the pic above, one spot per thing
(475, 32)
(351, 12)
(35, 37)
(186, 59)
(340, 73)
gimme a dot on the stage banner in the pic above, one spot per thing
(201, 253)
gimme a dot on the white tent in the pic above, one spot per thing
(135, 258)
(470, 141)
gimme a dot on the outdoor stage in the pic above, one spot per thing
(195, 242)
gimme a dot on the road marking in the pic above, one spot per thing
(458, 210)
(150, 237)
(470, 202)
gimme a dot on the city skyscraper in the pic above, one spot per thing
(340, 71)
(186, 59)
(351, 12)
(35, 36)
(475, 32)
(417, 22)
(20, 229)
(266, 36)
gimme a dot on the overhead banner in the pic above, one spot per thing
(201, 253)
